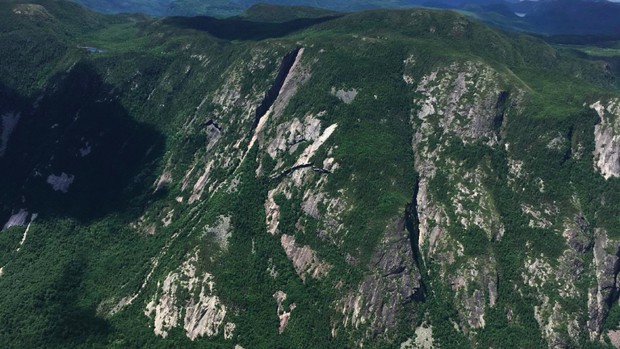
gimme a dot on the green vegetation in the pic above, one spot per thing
(177, 96)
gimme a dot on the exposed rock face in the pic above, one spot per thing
(167, 220)
(539, 217)
(614, 337)
(309, 151)
(445, 96)
(423, 339)
(471, 192)
(33, 10)
(304, 258)
(60, 183)
(607, 139)
(474, 284)
(203, 313)
(283, 315)
(128, 300)
(550, 317)
(461, 104)
(229, 330)
(290, 135)
(221, 231)
(272, 211)
(164, 180)
(232, 109)
(295, 76)
(201, 183)
(346, 96)
(601, 297)
(17, 219)
(564, 275)
(166, 312)
(446, 115)
(393, 281)
(23, 240)
(577, 234)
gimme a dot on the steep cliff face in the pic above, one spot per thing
(394, 280)
(200, 315)
(606, 150)
(408, 181)
(458, 105)
(460, 216)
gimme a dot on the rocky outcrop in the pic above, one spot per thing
(311, 131)
(552, 319)
(32, 10)
(272, 210)
(304, 259)
(475, 287)
(393, 281)
(163, 181)
(290, 135)
(17, 219)
(470, 191)
(290, 77)
(605, 293)
(166, 313)
(458, 105)
(176, 303)
(607, 139)
(61, 182)
(614, 338)
(578, 235)
(466, 101)
(286, 66)
(205, 315)
(23, 240)
(346, 96)
(235, 112)
(555, 282)
(220, 231)
(104, 307)
(310, 150)
(283, 315)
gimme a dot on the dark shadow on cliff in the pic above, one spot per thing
(236, 28)
(78, 139)
(412, 225)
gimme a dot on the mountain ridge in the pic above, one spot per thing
(577, 17)
(407, 167)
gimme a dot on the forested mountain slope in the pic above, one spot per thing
(381, 179)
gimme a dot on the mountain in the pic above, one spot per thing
(410, 178)
(548, 17)
(576, 17)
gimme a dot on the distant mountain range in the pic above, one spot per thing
(551, 17)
